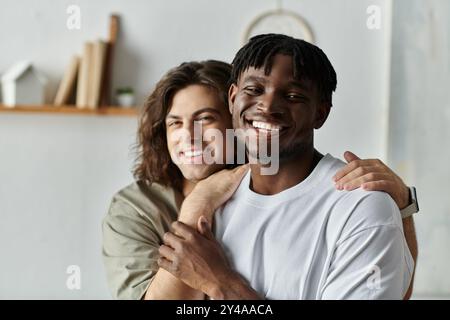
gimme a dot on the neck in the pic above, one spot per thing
(188, 186)
(290, 173)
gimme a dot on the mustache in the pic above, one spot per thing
(262, 116)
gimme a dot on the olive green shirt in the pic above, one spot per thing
(133, 229)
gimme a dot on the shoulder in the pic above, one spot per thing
(360, 207)
(141, 201)
(363, 210)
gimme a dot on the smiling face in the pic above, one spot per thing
(278, 104)
(201, 105)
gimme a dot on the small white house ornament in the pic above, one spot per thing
(22, 84)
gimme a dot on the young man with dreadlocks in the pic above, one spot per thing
(291, 235)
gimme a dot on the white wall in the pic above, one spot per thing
(420, 132)
(58, 173)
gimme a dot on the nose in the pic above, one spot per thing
(271, 104)
(191, 132)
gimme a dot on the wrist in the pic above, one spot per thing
(406, 199)
(222, 288)
(217, 290)
(192, 209)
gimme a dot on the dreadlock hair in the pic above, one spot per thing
(309, 61)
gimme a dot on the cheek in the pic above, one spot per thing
(235, 116)
(241, 103)
(170, 139)
(305, 120)
(227, 121)
(214, 136)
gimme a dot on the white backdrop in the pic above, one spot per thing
(419, 131)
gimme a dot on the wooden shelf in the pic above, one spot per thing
(109, 110)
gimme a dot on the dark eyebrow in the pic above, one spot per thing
(196, 113)
(298, 84)
(207, 109)
(172, 116)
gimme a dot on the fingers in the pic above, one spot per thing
(239, 173)
(172, 240)
(369, 177)
(241, 169)
(346, 170)
(353, 175)
(165, 264)
(380, 185)
(183, 230)
(234, 175)
(204, 228)
(350, 156)
(359, 163)
(166, 252)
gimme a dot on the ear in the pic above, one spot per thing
(232, 91)
(322, 112)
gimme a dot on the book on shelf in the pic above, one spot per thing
(96, 73)
(105, 91)
(91, 74)
(84, 76)
(67, 85)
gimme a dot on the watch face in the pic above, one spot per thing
(280, 21)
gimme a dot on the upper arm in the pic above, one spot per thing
(372, 264)
(370, 259)
(130, 251)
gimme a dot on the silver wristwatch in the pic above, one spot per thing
(413, 206)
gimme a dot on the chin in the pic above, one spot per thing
(293, 151)
(198, 172)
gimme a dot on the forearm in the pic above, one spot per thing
(411, 240)
(231, 287)
(192, 209)
(234, 287)
(410, 236)
(165, 286)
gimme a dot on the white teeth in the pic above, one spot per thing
(265, 125)
(192, 153)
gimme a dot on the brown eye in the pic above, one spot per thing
(293, 97)
(173, 123)
(252, 91)
(205, 119)
(296, 97)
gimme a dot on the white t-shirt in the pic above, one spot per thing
(312, 241)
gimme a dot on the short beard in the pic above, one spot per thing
(293, 151)
(288, 153)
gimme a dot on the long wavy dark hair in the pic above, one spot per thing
(153, 163)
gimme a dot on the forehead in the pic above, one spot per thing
(281, 71)
(193, 98)
(281, 65)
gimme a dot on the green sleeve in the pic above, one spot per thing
(130, 250)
